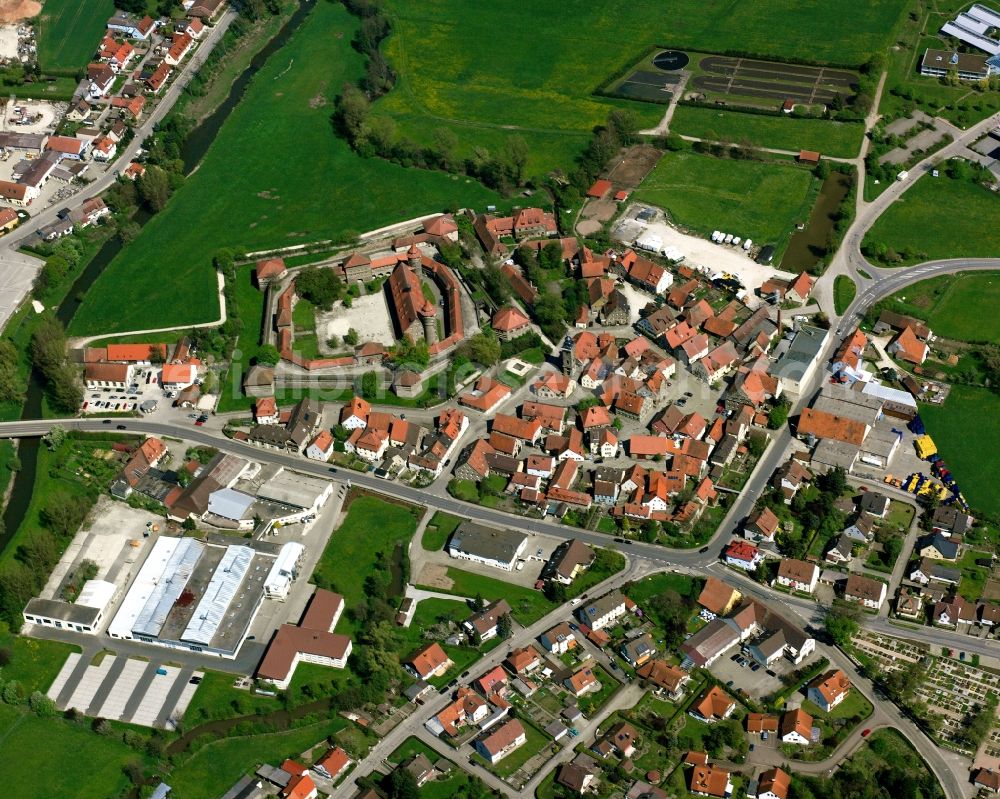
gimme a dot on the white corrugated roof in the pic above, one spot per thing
(167, 586)
(96, 594)
(229, 503)
(218, 595)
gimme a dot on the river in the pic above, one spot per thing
(193, 151)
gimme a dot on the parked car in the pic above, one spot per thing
(866, 733)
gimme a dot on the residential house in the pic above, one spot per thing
(862, 529)
(576, 778)
(709, 780)
(559, 640)
(570, 559)
(798, 575)
(500, 743)
(581, 682)
(509, 323)
(841, 552)
(929, 570)
(953, 611)
(603, 612)
(523, 660)
(938, 547)
(620, 741)
(874, 503)
(638, 651)
(948, 519)
(713, 705)
(743, 555)
(865, 591)
(796, 727)
(429, 661)
(483, 624)
(717, 597)
(761, 525)
(772, 784)
(668, 680)
(829, 689)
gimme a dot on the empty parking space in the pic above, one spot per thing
(125, 689)
(90, 682)
(63, 675)
(121, 690)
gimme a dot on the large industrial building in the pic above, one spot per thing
(486, 545)
(195, 596)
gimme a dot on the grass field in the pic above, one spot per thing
(844, 290)
(961, 306)
(837, 139)
(542, 86)
(69, 32)
(23, 735)
(372, 526)
(439, 530)
(762, 201)
(649, 587)
(213, 769)
(967, 442)
(34, 663)
(939, 218)
(528, 605)
(312, 189)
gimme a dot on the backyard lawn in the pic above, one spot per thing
(527, 605)
(373, 527)
(838, 139)
(967, 444)
(315, 190)
(974, 576)
(544, 87)
(941, 218)
(759, 201)
(250, 307)
(69, 32)
(653, 585)
(961, 306)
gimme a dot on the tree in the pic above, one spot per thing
(778, 416)
(320, 286)
(351, 337)
(55, 437)
(484, 347)
(504, 626)
(479, 604)
(623, 125)
(41, 705)
(351, 114)
(513, 158)
(842, 623)
(403, 785)
(268, 355)
(369, 385)
(11, 693)
(154, 188)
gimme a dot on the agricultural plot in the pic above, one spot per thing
(69, 32)
(762, 201)
(782, 132)
(543, 85)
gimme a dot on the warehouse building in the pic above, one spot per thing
(486, 545)
(195, 596)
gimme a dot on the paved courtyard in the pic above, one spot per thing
(368, 315)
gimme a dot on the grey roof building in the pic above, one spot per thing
(487, 545)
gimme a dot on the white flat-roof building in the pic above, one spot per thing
(284, 571)
(973, 26)
(84, 616)
(233, 506)
(296, 490)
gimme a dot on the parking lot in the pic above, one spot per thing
(116, 400)
(141, 692)
(752, 677)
